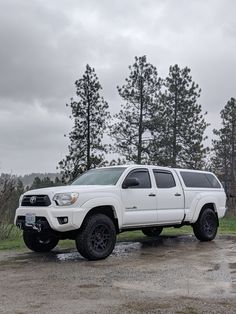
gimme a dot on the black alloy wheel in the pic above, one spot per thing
(205, 228)
(97, 237)
(100, 238)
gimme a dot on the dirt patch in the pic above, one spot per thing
(166, 275)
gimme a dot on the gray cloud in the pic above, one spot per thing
(45, 46)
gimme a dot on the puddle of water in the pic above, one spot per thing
(143, 248)
(71, 256)
(123, 248)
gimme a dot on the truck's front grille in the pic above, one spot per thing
(36, 200)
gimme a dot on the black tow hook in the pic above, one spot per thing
(36, 227)
(19, 225)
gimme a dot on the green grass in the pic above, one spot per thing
(17, 243)
(227, 226)
(10, 244)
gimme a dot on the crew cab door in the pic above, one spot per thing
(169, 197)
(139, 201)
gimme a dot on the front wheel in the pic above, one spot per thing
(97, 237)
(205, 228)
(153, 231)
(38, 242)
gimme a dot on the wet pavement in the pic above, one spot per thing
(162, 275)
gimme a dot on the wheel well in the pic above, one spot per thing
(209, 205)
(107, 210)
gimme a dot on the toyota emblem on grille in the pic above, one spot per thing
(33, 200)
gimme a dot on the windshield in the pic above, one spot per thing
(103, 176)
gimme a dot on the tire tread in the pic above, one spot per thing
(81, 239)
(198, 226)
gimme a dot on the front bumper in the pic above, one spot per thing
(41, 224)
(51, 215)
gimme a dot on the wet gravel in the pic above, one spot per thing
(162, 275)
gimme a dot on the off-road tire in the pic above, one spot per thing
(39, 243)
(205, 228)
(97, 237)
(153, 231)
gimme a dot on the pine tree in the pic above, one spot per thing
(57, 182)
(37, 184)
(46, 182)
(90, 114)
(20, 187)
(130, 131)
(178, 130)
(224, 148)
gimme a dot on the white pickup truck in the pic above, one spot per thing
(106, 201)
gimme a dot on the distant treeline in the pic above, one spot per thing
(28, 179)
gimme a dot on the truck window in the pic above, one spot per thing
(199, 180)
(100, 176)
(143, 176)
(164, 179)
(214, 182)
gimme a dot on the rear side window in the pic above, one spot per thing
(143, 177)
(199, 180)
(214, 182)
(164, 179)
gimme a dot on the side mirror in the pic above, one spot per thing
(130, 182)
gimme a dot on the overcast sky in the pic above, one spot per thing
(45, 45)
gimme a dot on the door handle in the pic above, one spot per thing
(177, 194)
(151, 194)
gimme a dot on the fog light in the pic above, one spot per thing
(62, 220)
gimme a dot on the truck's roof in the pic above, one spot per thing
(156, 166)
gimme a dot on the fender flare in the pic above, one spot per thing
(104, 201)
(201, 203)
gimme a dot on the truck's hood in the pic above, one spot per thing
(70, 188)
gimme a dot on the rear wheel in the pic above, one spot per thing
(205, 228)
(97, 237)
(39, 242)
(152, 232)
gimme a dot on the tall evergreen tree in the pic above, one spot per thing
(178, 130)
(224, 148)
(37, 184)
(90, 114)
(57, 182)
(130, 131)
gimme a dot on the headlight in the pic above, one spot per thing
(64, 199)
(20, 199)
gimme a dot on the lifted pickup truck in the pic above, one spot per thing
(106, 201)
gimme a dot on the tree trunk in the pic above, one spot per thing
(140, 129)
(88, 128)
(233, 175)
(174, 146)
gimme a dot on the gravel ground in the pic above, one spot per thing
(165, 275)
